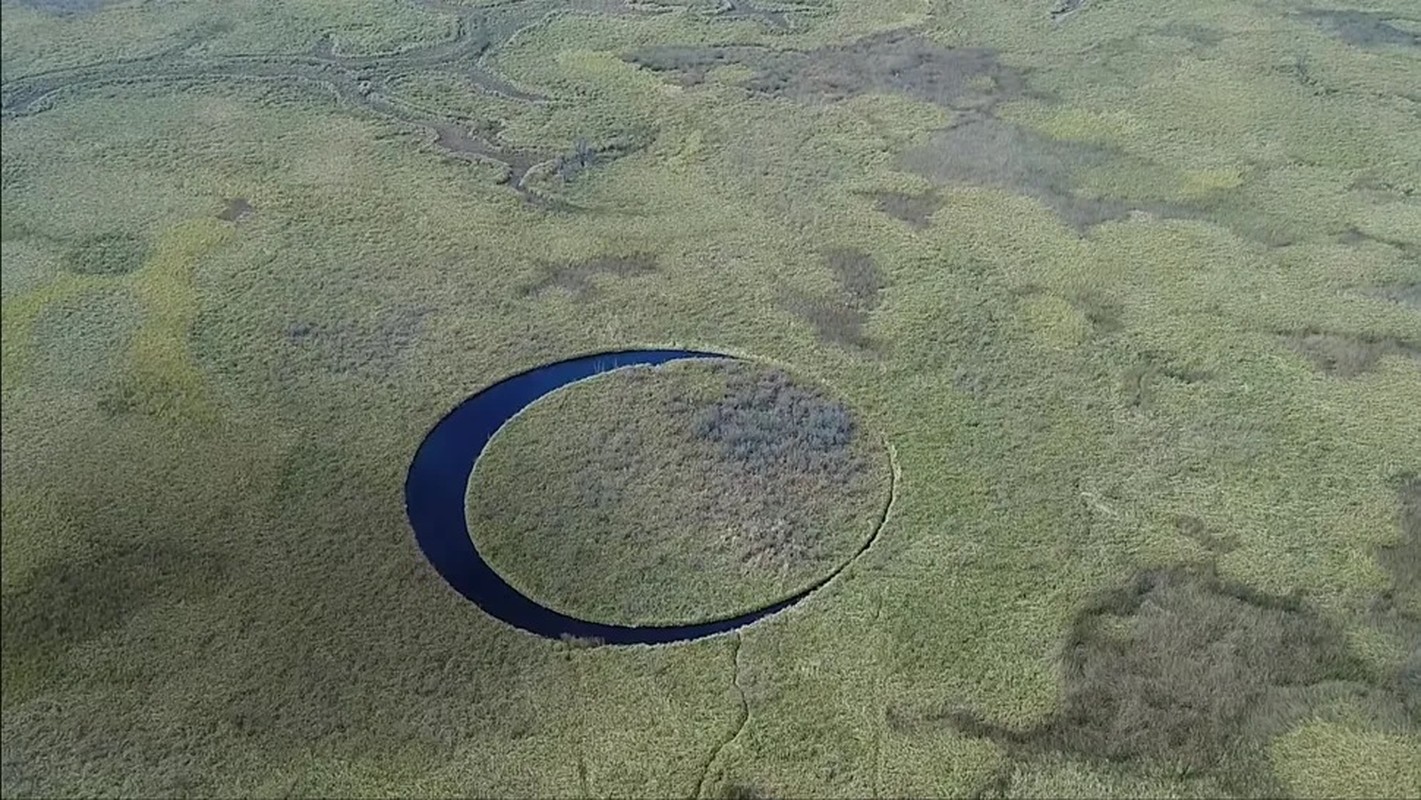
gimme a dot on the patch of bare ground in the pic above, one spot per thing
(839, 318)
(577, 278)
(1183, 671)
(1348, 355)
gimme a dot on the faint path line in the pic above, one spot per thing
(881, 711)
(581, 682)
(739, 726)
(895, 475)
(895, 478)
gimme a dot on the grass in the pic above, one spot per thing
(1123, 362)
(1190, 675)
(601, 522)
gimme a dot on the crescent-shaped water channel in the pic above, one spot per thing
(437, 483)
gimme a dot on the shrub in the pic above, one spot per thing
(765, 422)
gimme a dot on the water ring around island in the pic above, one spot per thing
(437, 484)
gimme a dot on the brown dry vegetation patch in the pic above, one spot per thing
(982, 150)
(1407, 294)
(1348, 355)
(766, 423)
(914, 209)
(839, 318)
(1368, 29)
(1140, 381)
(779, 443)
(576, 278)
(989, 152)
(688, 65)
(66, 7)
(1395, 609)
(1182, 670)
(1403, 559)
(1105, 315)
(1194, 528)
(237, 209)
(741, 791)
(370, 344)
(896, 62)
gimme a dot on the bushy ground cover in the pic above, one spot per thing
(1139, 326)
(676, 494)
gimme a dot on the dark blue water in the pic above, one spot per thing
(439, 477)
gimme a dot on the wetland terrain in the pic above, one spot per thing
(1066, 420)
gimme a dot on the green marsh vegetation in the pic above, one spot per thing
(1141, 337)
(681, 493)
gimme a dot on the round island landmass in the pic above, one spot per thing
(678, 493)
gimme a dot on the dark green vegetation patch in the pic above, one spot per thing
(65, 7)
(237, 209)
(905, 63)
(578, 278)
(73, 601)
(1183, 670)
(1369, 29)
(107, 254)
(677, 494)
(1348, 356)
(839, 317)
(1398, 607)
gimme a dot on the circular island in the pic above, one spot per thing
(673, 494)
(653, 504)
